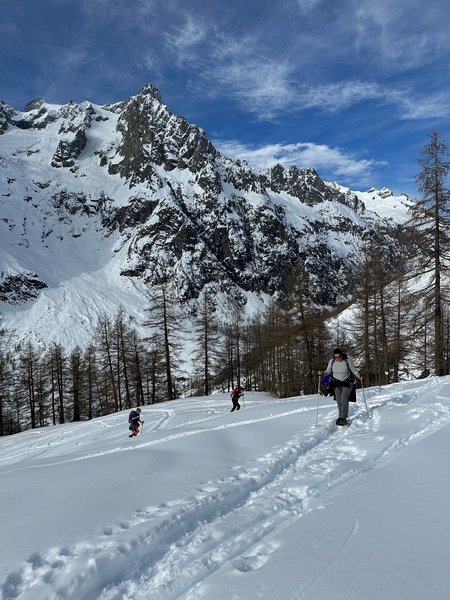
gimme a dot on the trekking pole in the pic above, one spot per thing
(142, 428)
(317, 409)
(364, 398)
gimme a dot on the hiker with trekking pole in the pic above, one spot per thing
(135, 420)
(342, 370)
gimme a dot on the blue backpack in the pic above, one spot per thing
(326, 379)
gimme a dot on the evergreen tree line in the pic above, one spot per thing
(399, 323)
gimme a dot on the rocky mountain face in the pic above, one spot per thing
(135, 194)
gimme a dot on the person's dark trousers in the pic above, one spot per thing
(236, 405)
(342, 394)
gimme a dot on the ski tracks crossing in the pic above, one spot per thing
(232, 523)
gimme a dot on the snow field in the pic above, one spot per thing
(208, 504)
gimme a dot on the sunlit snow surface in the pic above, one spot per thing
(273, 502)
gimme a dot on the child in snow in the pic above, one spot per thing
(134, 420)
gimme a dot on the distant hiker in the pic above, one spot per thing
(235, 395)
(134, 420)
(342, 371)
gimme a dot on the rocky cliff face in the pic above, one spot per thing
(161, 202)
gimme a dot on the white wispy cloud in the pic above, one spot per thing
(262, 86)
(410, 103)
(184, 39)
(306, 6)
(269, 87)
(402, 34)
(333, 97)
(233, 68)
(269, 79)
(433, 106)
(333, 163)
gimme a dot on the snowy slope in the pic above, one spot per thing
(271, 502)
(51, 227)
(383, 203)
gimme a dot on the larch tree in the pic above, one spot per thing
(431, 217)
(166, 331)
(206, 339)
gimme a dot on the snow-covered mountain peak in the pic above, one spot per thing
(34, 104)
(385, 192)
(383, 202)
(118, 194)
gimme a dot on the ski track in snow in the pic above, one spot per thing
(127, 448)
(354, 529)
(230, 523)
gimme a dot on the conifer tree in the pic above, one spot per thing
(105, 343)
(307, 328)
(28, 364)
(206, 338)
(431, 217)
(166, 330)
(59, 366)
(124, 357)
(89, 369)
(76, 375)
(5, 383)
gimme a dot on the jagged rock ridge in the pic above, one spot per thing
(153, 195)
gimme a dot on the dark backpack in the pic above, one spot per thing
(133, 415)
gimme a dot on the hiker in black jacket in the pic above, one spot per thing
(134, 420)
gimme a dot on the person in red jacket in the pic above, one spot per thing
(235, 395)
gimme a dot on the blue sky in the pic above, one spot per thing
(349, 87)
